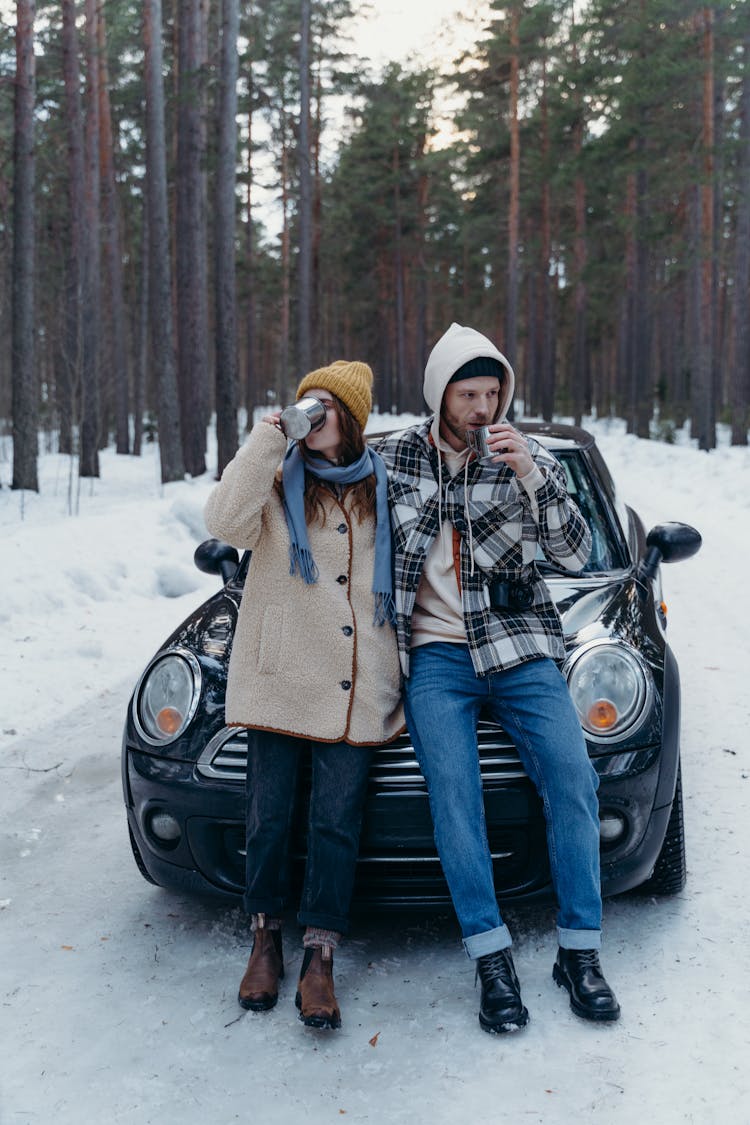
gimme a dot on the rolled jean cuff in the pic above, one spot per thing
(271, 907)
(579, 939)
(318, 921)
(478, 945)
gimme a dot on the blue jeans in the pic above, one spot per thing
(337, 796)
(443, 698)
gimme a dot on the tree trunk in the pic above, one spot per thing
(304, 218)
(320, 340)
(226, 292)
(511, 307)
(192, 310)
(739, 384)
(532, 288)
(641, 375)
(626, 385)
(282, 375)
(119, 352)
(579, 374)
(69, 379)
(24, 385)
(703, 398)
(544, 398)
(160, 285)
(719, 359)
(251, 378)
(91, 329)
(415, 401)
(141, 363)
(398, 269)
(692, 310)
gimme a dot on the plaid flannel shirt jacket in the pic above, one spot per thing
(505, 537)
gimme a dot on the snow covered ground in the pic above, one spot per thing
(119, 999)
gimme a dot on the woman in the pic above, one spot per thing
(314, 662)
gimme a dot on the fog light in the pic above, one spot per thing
(165, 828)
(612, 827)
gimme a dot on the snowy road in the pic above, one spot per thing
(119, 999)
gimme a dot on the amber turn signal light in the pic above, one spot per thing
(602, 715)
(168, 720)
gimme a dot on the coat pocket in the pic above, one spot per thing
(271, 637)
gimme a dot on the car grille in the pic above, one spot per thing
(225, 756)
(394, 766)
(398, 863)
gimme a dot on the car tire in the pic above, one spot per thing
(139, 859)
(670, 871)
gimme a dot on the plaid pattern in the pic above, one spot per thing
(505, 537)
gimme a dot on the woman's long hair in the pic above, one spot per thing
(352, 448)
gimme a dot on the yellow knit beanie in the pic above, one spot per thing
(351, 381)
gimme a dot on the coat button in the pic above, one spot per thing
(341, 580)
(460, 526)
(341, 529)
(347, 630)
(346, 684)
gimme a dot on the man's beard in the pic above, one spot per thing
(459, 430)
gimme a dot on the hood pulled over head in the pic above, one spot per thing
(455, 348)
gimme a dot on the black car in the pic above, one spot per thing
(183, 769)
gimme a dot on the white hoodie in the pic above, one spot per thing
(438, 613)
(455, 348)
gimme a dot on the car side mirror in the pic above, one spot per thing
(213, 556)
(667, 542)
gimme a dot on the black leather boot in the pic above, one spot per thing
(501, 1008)
(579, 971)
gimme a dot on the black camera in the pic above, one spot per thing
(515, 595)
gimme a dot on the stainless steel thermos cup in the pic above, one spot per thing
(477, 440)
(299, 420)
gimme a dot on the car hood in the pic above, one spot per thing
(598, 607)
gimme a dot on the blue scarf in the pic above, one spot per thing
(300, 555)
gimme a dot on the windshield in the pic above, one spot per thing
(606, 549)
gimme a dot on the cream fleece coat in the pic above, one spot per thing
(306, 660)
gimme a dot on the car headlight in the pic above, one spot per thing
(167, 696)
(612, 689)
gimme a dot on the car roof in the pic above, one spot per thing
(556, 435)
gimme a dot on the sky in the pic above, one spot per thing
(425, 29)
(118, 999)
(430, 31)
(419, 34)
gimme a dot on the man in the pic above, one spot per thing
(477, 628)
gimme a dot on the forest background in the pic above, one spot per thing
(585, 202)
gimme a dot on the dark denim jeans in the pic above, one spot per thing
(531, 701)
(339, 785)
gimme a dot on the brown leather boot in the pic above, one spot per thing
(259, 988)
(315, 998)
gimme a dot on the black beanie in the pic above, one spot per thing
(483, 366)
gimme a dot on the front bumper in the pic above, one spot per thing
(398, 865)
